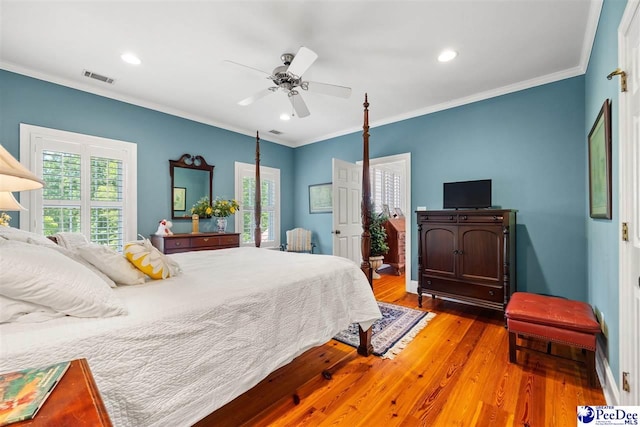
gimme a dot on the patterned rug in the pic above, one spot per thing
(397, 327)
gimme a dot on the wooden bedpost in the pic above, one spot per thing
(366, 197)
(366, 348)
(258, 200)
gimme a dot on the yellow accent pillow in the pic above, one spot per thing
(146, 258)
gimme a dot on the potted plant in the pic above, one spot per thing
(379, 246)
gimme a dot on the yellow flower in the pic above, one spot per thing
(224, 208)
(202, 208)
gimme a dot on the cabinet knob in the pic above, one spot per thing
(206, 239)
(450, 217)
(464, 217)
(178, 243)
(492, 293)
(428, 282)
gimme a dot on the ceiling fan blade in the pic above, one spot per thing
(298, 104)
(253, 98)
(328, 89)
(246, 66)
(302, 61)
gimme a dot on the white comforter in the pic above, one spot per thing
(192, 343)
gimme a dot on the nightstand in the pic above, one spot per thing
(74, 402)
(185, 242)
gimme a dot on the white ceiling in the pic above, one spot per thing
(385, 48)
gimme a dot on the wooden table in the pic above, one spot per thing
(74, 402)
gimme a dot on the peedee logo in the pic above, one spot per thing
(608, 416)
(586, 414)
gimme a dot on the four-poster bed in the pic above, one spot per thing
(189, 344)
(365, 348)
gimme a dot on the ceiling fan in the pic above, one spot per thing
(288, 78)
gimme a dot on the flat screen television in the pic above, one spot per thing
(467, 194)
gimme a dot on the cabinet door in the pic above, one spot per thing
(438, 246)
(480, 253)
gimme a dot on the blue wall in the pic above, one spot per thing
(603, 235)
(530, 143)
(159, 137)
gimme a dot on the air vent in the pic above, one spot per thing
(275, 132)
(97, 76)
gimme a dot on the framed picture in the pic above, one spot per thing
(179, 198)
(385, 211)
(398, 213)
(600, 164)
(320, 198)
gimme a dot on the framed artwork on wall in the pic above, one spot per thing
(320, 198)
(179, 198)
(599, 141)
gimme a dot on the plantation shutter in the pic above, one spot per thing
(270, 204)
(89, 186)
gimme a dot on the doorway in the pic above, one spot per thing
(391, 192)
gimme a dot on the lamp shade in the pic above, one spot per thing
(9, 203)
(14, 176)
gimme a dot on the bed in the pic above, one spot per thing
(191, 343)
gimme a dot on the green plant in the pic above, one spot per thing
(378, 233)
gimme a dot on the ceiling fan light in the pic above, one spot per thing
(447, 55)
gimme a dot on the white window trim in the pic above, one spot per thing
(31, 135)
(244, 169)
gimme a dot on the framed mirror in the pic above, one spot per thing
(191, 180)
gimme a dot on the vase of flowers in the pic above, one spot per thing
(202, 208)
(221, 209)
(4, 219)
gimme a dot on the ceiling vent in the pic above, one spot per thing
(97, 76)
(275, 132)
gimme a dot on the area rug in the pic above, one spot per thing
(397, 327)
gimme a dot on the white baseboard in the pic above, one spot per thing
(606, 377)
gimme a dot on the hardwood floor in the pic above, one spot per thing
(456, 372)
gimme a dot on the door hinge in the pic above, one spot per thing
(623, 78)
(625, 382)
(625, 232)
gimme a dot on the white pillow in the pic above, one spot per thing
(78, 258)
(10, 233)
(41, 275)
(13, 310)
(70, 240)
(111, 263)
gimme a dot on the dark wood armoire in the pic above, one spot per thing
(467, 255)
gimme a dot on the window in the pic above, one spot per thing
(386, 189)
(90, 185)
(270, 205)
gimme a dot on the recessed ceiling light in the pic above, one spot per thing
(447, 55)
(285, 116)
(131, 58)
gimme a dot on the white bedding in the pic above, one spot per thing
(192, 343)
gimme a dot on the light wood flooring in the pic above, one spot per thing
(456, 372)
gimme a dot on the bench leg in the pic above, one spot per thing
(512, 347)
(590, 359)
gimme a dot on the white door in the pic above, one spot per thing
(347, 196)
(629, 57)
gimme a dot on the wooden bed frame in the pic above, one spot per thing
(365, 348)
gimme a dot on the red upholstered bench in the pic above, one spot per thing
(554, 320)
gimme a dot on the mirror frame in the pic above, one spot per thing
(189, 162)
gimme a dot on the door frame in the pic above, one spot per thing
(405, 158)
(628, 339)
